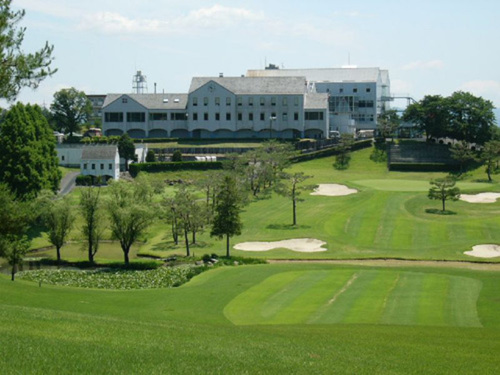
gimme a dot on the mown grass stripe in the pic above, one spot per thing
(433, 297)
(370, 305)
(300, 309)
(336, 312)
(461, 306)
(402, 303)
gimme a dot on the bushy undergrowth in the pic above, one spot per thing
(163, 277)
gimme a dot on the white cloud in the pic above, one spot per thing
(416, 65)
(216, 17)
(488, 89)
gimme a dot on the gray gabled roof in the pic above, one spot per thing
(322, 74)
(152, 101)
(99, 152)
(316, 101)
(255, 85)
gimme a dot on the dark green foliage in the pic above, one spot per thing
(93, 223)
(461, 116)
(227, 221)
(379, 152)
(491, 155)
(423, 167)
(19, 69)
(343, 157)
(150, 157)
(388, 123)
(358, 145)
(82, 180)
(28, 161)
(174, 166)
(70, 109)
(289, 186)
(177, 156)
(58, 219)
(126, 149)
(462, 153)
(444, 189)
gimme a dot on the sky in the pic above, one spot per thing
(429, 47)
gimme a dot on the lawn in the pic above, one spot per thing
(186, 330)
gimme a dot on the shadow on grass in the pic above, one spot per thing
(484, 180)
(435, 211)
(287, 226)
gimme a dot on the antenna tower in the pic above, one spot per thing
(139, 83)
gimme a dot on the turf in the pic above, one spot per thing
(185, 330)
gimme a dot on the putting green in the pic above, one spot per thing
(359, 296)
(414, 185)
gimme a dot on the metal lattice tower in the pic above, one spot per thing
(139, 83)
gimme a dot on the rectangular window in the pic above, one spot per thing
(284, 116)
(195, 116)
(369, 104)
(205, 101)
(240, 116)
(250, 101)
(273, 101)
(205, 116)
(217, 116)
(296, 116)
(296, 101)
(85, 166)
(273, 116)
(113, 117)
(93, 166)
(285, 101)
(110, 166)
(158, 116)
(314, 116)
(228, 101)
(368, 89)
(341, 91)
(250, 117)
(195, 101)
(217, 101)
(178, 116)
(136, 117)
(262, 116)
(228, 116)
(62, 158)
(240, 101)
(102, 166)
(354, 90)
(262, 101)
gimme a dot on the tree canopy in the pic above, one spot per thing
(461, 116)
(70, 109)
(126, 149)
(17, 68)
(444, 189)
(28, 161)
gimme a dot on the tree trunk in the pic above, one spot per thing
(228, 253)
(187, 242)
(294, 212)
(488, 171)
(13, 272)
(194, 237)
(125, 254)
(444, 200)
(58, 250)
(91, 253)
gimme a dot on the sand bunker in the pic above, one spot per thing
(484, 251)
(303, 245)
(333, 190)
(480, 198)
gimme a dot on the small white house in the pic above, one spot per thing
(100, 160)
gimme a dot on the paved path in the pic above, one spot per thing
(68, 183)
(397, 263)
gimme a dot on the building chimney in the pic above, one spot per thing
(221, 75)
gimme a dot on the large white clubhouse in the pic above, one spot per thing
(270, 103)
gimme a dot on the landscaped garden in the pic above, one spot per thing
(362, 318)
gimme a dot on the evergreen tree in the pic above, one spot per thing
(126, 149)
(444, 189)
(227, 221)
(28, 162)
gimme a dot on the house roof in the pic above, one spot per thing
(255, 85)
(153, 101)
(99, 152)
(316, 101)
(322, 74)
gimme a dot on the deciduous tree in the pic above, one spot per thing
(126, 149)
(93, 221)
(59, 219)
(491, 155)
(289, 187)
(28, 161)
(70, 109)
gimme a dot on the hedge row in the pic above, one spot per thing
(423, 167)
(330, 151)
(134, 169)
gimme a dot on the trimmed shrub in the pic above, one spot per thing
(134, 169)
(150, 157)
(82, 180)
(330, 151)
(177, 156)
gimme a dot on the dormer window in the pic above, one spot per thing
(124, 100)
